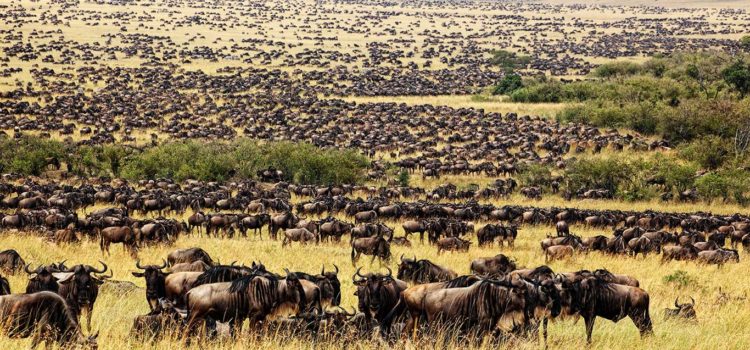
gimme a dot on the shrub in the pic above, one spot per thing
(30, 155)
(533, 174)
(611, 174)
(738, 76)
(617, 69)
(680, 278)
(510, 83)
(709, 152)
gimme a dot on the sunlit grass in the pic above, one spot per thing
(114, 311)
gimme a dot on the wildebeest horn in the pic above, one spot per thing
(286, 271)
(26, 268)
(390, 272)
(138, 264)
(92, 269)
(356, 274)
(163, 265)
(415, 257)
(337, 268)
(233, 262)
(676, 304)
(692, 301)
(323, 270)
(102, 277)
(401, 258)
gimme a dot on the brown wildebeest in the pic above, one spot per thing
(4, 286)
(301, 235)
(718, 256)
(492, 266)
(453, 244)
(189, 255)
(81, 288)
(377, 247)
(683, 252)
(157, 323)
(365, 216)
(122, 234)
(596, 297)
(155, 285)
(11, 261)
(253, 297)
(685, 311)
(43, 315)
(557, 252)
(423, 271)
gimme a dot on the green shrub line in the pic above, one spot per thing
(180, 160)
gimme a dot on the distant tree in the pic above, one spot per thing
(738, 76)
(510, 83)
(509, 61)
(745, 43)
(403, 178)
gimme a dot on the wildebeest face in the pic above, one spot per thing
(154, 282)
(407, 268)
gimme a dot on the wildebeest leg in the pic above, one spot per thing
(589, 320)
(642, 321)
(544, 331)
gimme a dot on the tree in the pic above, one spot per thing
(509, 61)
(745, 43)
(738, 76)
(510, 83)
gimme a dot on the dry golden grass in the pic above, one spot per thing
(718, 323)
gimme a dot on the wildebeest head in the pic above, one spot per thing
(332, 279)
(373, 292)
(686, 310)
(408, 268)
(83, 285)
(155, 277)
(294, 286)
(40, 280)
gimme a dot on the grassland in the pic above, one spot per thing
(719, 321)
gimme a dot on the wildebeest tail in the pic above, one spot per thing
(398, 310)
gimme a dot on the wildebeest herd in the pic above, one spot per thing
(191, 295)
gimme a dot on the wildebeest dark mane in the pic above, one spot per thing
(462, 281)
(540, 271)
(222, 273)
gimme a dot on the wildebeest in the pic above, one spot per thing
(301, 235)
(329, 284)
(719, 256)
(423, 271)
(43, 315)
(684, 252)
(493, 266)
(253, 297)
(480, 307)
(365, 216)
(119, 234)
(377, 247)
(41, 279)
(11, 261)
(80, 289)
(155, 282)
(557, 252)
(596, 297)
(158, 323)
(453, 244)
(188, 255)
(283, 221)
(685, 311)
(377, 296)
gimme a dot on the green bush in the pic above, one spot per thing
(612, 174)
(30, 155)
(217, 161)
(709, 152)
(510, 83)
(533, 174)
(680, 279)
(617, 69)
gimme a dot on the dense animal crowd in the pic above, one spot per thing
(191, 294)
